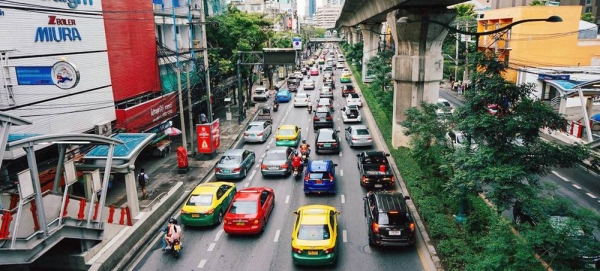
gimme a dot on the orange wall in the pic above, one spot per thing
(541, 44)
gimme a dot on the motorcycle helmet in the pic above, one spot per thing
(303, 141)
(172, 220)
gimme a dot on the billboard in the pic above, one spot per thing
(144, 116)
(209, 137)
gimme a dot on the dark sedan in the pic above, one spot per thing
(327, 140)
(277, 162)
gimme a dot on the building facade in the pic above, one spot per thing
(327, 15)
(251, 6)
(539, 44)
(587, 6)
(55, 67)
(311, 9)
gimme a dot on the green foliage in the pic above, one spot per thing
(588, 17)
(465, 10)
(537, 3)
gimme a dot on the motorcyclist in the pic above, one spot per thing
(173, 233)
(297, 162)
(275, 104)
(305, 148)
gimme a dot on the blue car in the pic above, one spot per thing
(320, 177)
(283, 95)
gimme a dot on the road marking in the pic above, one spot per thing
(287, 199)
(277, 236)
(201, 264)
(343, 199)
(270, 142)
(560, 176)
(252, 175)
(591, 195)
(263, 155)
(218, 235)
(246, 184)
(211, 247)
(341, 173)
(577, 186)
(338, 119)
(340, 154)
(256, 167)
(345, 236)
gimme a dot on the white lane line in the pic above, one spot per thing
(343, 199)
(246, 184)
(201, 264)
(252, 175)
(264, 154)
(341, 173)
(577, 186)
(340, 154)
(256, 167)
(211, 247)
(591, 195)
(560, 176)
(277, 236)
(218, 235)
(345, 236)
(287, 199)
(270, 142)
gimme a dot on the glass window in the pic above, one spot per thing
(254, 128)
(325, 137)
(314, 232)
(276, 156)
(588, 9)
(229, 159)
(286, 132)
(588, 2)
(316, 175)
(362, 132)
(243, 208)
(395, 218)
(200, 200)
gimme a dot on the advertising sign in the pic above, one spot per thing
(146, 115)
(36, 75)
(209, 137)
(542, 76)
(297, 43)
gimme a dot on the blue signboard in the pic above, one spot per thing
(34, 75)
(542, 76)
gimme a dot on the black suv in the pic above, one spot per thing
(388, 219)
(323, 118)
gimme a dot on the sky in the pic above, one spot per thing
(302, 6)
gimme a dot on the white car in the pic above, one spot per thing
(351, 114)
(444, 107)
(258, 131)
(326, 92)
(358, 136)
(340, 65)
(309, 84)
(353, 99)
(301, 99)
(261, 93)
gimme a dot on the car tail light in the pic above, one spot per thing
(369, 138)
(316, 118)
(375, 227)
(237, 169)
(329, 250)
(246, 134)
(412, 227)
(227, 221)
(284, 166)
(306, 178)
(329, 118)
(183, 212)
(259, 134)
(297, 250)
(334, 144)
(210, 211)
(354, 138)
(330, 177)
(255, 221)
(320, 144)
(217, 170)
(263, 166)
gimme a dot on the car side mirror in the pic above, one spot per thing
(337, 212)
(295, 212)
(387, 154)
(358, 155)
(335, 165)
(406, 197)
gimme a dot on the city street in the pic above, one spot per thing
(212, 249)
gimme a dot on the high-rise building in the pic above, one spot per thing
(327, 15)
(312, 8)
(588, 6)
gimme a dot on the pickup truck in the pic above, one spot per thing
(370, 164)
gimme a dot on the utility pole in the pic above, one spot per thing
(466, 73)
(190, 112)
(456, 58)
(181, 116)
(206, 69)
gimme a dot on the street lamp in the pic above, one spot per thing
(461, 217)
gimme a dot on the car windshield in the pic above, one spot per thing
(353, 95)
(301, 95)
(258, 91)
(321, 114)
(282, 93)
(275, 156)
(243, 208)
(286, 132)
(393, 218)
(254, 128)
(314, 232)
(229, 159)
(445, 104)
(362, 132)
(200, 200)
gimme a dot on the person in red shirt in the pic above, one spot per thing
(297, 162)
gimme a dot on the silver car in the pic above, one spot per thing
(277, 162)
(358, 136)
(326, 92)
(234, 164)
(309, 84)
(258, 131)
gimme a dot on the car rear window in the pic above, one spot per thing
(254, 128)
(200, 200)
(258, 91)
(362, 132)
(321, 114)
(314, 232)
(243, 208)
(323, 137)
(286, 132)
(229, 159)
(393, 218)
(353, 112)
(275, 156)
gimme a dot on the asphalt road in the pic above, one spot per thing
(577, 183)
(209, 248)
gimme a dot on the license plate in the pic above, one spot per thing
(311, 252)
(252, 135)
(395, 232)
(378, 186)
(363, 139)
(226, 171)
(195, 215)
(273, 167)
(318, 182)
(327, 145)
(177, 247)
(240, 223)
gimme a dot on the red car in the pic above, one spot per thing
(314, 71)
(249, 211)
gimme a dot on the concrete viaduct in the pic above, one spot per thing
(418, 62)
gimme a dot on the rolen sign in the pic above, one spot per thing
(209, 137)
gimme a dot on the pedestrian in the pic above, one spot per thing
(142, 182)
(459, 88)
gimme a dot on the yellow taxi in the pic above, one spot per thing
(314, 237)
(311, 61)
(207, 204)
(345, 77)
(288, 135)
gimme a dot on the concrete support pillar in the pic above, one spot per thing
(417, 66)
(132, 195)
(355, 36)
(370, 44)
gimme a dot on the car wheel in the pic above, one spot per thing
(220, 218)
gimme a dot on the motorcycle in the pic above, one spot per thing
(175, 248)
(296, 173)
(275, 107)
(309, 108)
(304, 154)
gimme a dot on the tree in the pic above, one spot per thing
(537, 3)
(588, 17)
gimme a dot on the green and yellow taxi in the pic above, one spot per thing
(207, 204)
(345, 77)
(288, 135)
(314, 237)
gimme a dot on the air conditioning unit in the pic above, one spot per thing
(197, 44)
(104, 128)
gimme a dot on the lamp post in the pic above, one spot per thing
(461, 216)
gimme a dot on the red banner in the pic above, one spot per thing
(144, 116)
(209, 137)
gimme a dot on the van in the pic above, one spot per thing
(389, 221)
